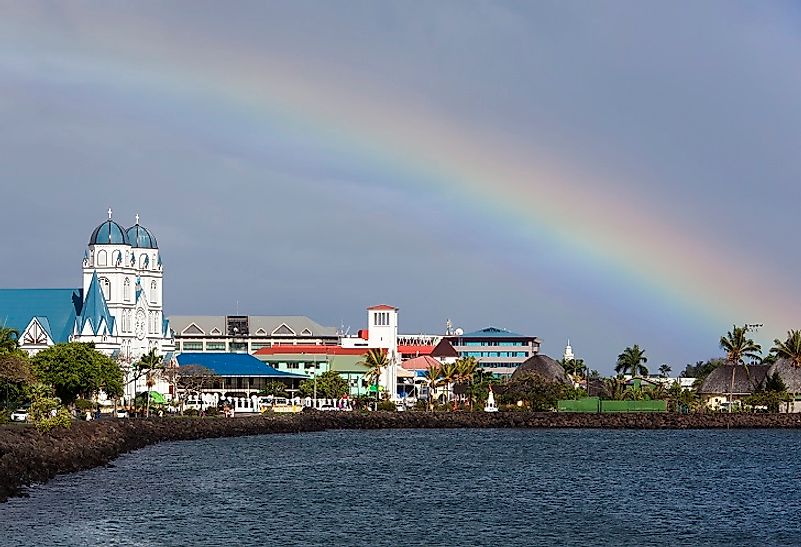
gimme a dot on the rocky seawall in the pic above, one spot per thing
(28, 457)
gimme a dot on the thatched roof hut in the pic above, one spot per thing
(746, 380)
(789, 373)
(543, 366)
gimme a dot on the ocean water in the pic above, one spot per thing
(430, 487)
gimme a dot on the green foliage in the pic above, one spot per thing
(9, 340)
(75, 369)
(46, 413)
(84, 404)
(771, 395)
(614, 388)
(330, 385)
(700, 370)
(376, 361)
(386, 406)
(738, 346)
(632, 361)
(274, 388)
(790, 348)
(537, 393)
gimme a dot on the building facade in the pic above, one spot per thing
(496, 350)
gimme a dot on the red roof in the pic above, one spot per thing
(420, 363)
(382, 307)
(311, 349)
(418, 350)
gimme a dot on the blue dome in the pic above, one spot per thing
(109, 233)
(141, 238)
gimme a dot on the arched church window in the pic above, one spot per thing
(143, 261)
(116, 258)
(102, 258)
(153, 292)
(105, 286)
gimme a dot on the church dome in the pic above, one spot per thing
(141, 238)
(109, 233)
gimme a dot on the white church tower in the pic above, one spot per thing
(122, 291)
(382, 332)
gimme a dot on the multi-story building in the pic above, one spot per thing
(496, 350)
(247, 333)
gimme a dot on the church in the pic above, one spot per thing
(119, 306)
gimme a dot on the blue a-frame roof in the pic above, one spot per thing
(58, 308)
(234, 364)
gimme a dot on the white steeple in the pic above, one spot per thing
(568, 356)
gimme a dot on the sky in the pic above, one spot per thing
(612, 173)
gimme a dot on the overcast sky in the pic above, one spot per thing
(609, 172)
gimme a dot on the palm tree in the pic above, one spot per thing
(615, 388)
(738, 347)
(9, 340)
(465, 368)
(432, 376)
(376, 361)
(575, 369)
(790, 349)
(150, 363)
(449, 374)
(632, 361)
(664, 370)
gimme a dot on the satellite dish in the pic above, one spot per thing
(459, 331)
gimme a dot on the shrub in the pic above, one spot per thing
(84, 404)
(46, 413)
(386, 406)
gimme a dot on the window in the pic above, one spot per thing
(193, 346)
(105, 286)
(153, 292)
(102, 258)
(126, 290)
(293, 366)
(215, 346)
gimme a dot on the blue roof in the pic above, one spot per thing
(493, 332)
(234, 364)
(56, 309)
(109, 233)
(140, 237)
(95, 308)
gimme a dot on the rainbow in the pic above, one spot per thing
(613, 235)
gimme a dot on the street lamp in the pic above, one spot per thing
(313, 372)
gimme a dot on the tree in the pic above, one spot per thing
(9, 340)
(465, 368)
(536, 392)
(330, 385)
(632, 361)
(15, 372)
(664, 370)
(575, 369)
(192, 379)
(738, 346)
(77, 368)
(376, 361)
(274, 388)
(789, 349)
(432, 375)
(615, 388)
(449, 373)
(149, 365)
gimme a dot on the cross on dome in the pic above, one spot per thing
(109, 213)
(137, 218)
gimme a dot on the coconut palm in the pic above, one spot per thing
(575, 369)
(376, 361)
(632, 361)
(432, 376)
(664, 370)
(449, 374)
(150, 363)
(789, 349)
(738, 346)
(465, 368)
(9, 340)
(615, 388)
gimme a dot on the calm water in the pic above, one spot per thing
(424, 487)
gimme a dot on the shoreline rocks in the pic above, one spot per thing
(28, 457)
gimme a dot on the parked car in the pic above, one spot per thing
(20, 415)
(121, 413)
